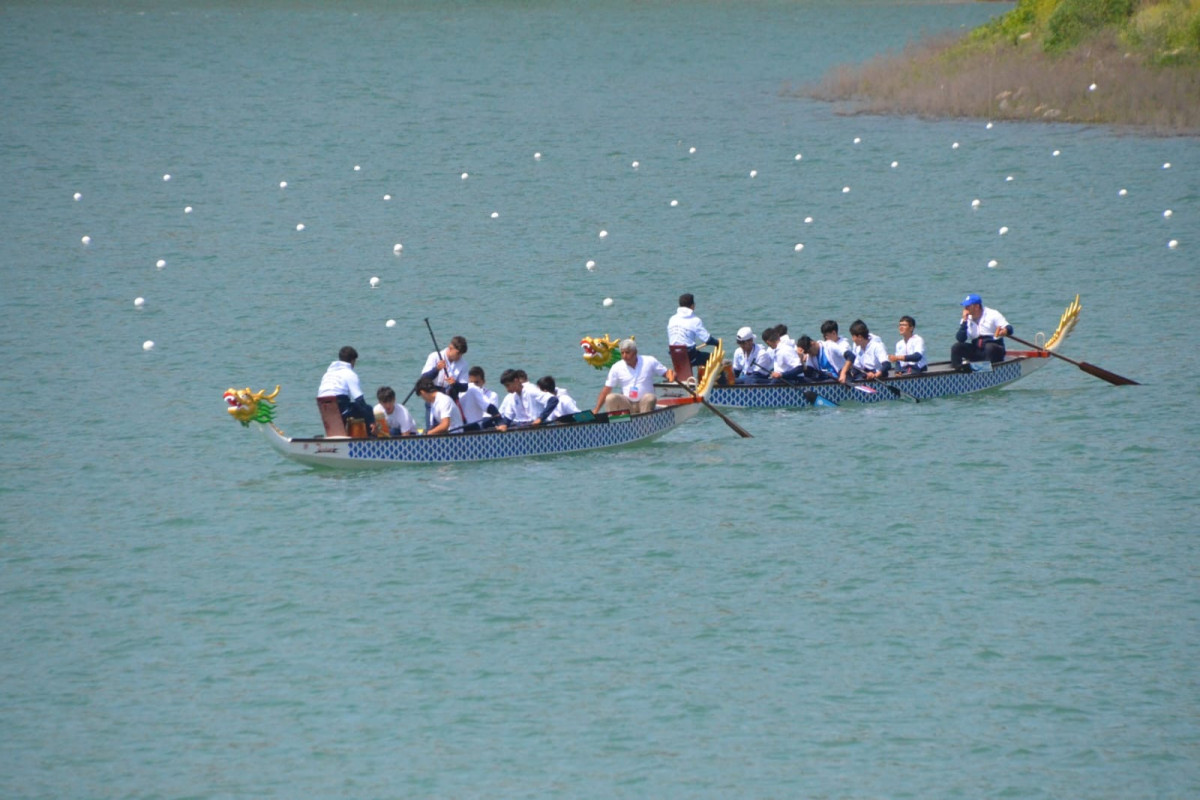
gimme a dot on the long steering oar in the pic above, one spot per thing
(1091, 369)
(742, 432)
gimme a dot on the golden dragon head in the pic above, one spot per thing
(600, 353)
(247, 406)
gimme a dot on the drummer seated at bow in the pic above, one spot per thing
(868, 359)
(633, 376)
(980, 336)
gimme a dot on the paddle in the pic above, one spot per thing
(896, 391)
(436, 349)
(742, 432)
(1091, 369)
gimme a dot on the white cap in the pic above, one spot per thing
(745, 334)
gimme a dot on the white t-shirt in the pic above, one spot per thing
(458, 369)
(442, 408)
(835, 353)
(989, 322)
(636, 381)
(474, 404)
(513, 408)
(340, 378)
(566, 405)
(685, 328)
(914, 345)
(758, 363)
(399, 421)
(872, 357)
(785, 356)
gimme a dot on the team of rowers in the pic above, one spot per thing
(457, 398)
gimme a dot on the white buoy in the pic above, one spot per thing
(975, 203)
(138, 302)
(591, 265)
(187, 209)
(391, 323)
(895, 164)
(954, 146)
(148, 345)
(607, 302)
(374, 283)
(357, 168)
(78, 197)
(1167, 214)
(691, 151)
(86, 240)
(300, 226)
(1008, 179)
(397, 248)
(1055, 153)
(1173, 244)
(1003, 229)
(845, 190)
(993, 264)
(162, 262)
(603, 234)
(1167, 165)
(495, 215)
(1092, 88)
(537, 156)
(166, 177)
(799, 157)
(465, 176)
(989, 126)
(674, 203)
(635, 165)
(808, 220)
(857, 139)
(798, 247)
(387, 197)
(283, 184)
(753, 173)
(1122, 193)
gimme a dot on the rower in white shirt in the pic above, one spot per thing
(566, 404)
(786, 364)
(752, 362)
(391, 418)
(869, 357)
(910, 348)
(444, 416)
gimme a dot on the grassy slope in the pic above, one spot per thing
(1125, 62)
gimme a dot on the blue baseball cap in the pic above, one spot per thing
(971, 300)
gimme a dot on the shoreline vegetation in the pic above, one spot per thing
(1133, 63)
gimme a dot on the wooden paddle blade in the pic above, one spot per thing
(1105, 375)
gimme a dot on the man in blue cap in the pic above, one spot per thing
(981, 335)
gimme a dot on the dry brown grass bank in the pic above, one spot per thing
(940, 78)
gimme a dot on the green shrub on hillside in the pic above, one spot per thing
(1076, 20)
(1169, 31)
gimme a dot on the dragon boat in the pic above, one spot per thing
(940, 380)
(587, 431)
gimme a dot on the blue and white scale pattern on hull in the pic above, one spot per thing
(524, 442)
(924, 388)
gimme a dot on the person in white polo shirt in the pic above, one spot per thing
(752, 362)
(633, 379)
(910, 348)
(980, 336)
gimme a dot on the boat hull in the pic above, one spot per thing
(480, 445)
(926, 386)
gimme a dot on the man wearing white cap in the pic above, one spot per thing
(752, 362)
(981, 335)
(633, 376)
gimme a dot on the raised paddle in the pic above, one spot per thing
(1091, 369)
(742, 432)
(437, 350)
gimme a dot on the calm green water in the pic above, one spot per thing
(989, 596)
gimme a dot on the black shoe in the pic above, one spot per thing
(964, 367)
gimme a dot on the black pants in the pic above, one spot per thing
(355, 408)
(991, 350)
